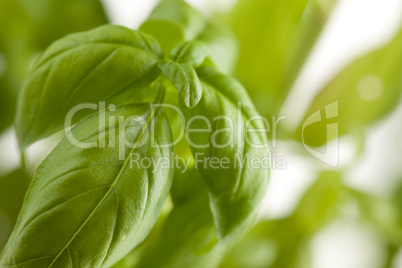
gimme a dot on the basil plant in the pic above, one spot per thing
(132, 104)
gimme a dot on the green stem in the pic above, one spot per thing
(23, 159)
(392, 251)
(160, 96)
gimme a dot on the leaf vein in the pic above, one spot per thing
(149, 118)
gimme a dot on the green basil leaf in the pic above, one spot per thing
(190, 52)
(317, 208)
(99, 65)
(90, 207)
(256, 249)
(187, 237)
(185, 80)
(39, 25)
(7, 104)
(28, 28)
(319, 204)
(223, 46)
(397, 198)
(271, 242)
(367, 90)
(174, 21)
(275, 39)
(237, 190)
(372, 210)
(121, 264)
(54, 19)
(188, 186)
(12, 191)
(34, 27)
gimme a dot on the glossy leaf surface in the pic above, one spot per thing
(236, 190)
(192, 53)
(185, 80)
(99, 65)
(89, 207)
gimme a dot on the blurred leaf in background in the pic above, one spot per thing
(397, 199)
(7, 103)
(175, 21)
(187, 237)
(395, 243)
(384, 214)
(283, 243)
(366, 91)
(26, 28)
(12, 191)
(172, 22)
(275, 40)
